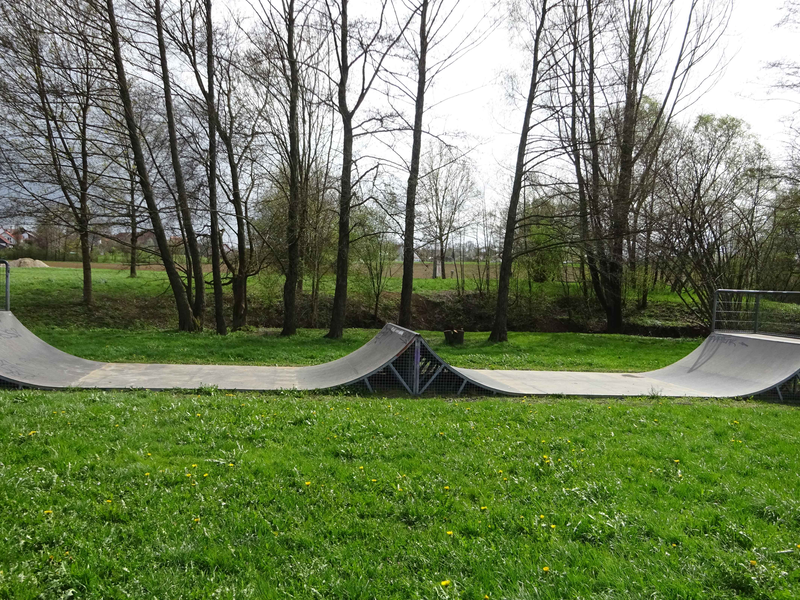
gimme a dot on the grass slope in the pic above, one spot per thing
(156, 495)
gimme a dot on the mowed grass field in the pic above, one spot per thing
(209, 494)
(215, 495)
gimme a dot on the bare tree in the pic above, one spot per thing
(538, 16)
(362, 49)
(52, 131)
(195, 266)
(643, 85)
(186, 320)
(446, 192)
(438, 19)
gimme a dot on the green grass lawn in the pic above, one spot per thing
(215, 495)
(179, 495)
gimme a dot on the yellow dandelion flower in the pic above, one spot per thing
(753, 563)
(362, 468)
(197, 520)
(308, 483)
(545, 569)
(205, 474)
(483, 508)
(500, 471)
(449, 533)
(374, 480)
(198, 414)
(230, 464)
(447, 487)
(552, 526)
(188, 474)
(677, 461)
(445, 583)
(147, 474)
(108, 501)
(32, 432)
(48, 512)
(148, 454)
(193, 466)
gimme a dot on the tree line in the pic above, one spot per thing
(284, 133)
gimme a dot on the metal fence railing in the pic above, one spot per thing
(756, 311)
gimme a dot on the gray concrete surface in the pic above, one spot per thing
(27, 360)
(724, 365)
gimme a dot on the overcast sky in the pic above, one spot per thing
(752, 40)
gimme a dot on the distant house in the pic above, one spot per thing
(7, 239)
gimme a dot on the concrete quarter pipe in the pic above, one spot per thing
(397, 359)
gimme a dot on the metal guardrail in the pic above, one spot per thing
(756, 311)
(8, 284)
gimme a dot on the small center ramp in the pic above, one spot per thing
(397, 359)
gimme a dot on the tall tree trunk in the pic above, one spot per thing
(216, 259)
(195, 266)
(185, 319)
(293, 226)
(343, 245)
(86, 260)
(442, 260)
(595, 256)
(500, 326)
(407, 288)
(345, 182)
(620, 206)
(241, 268)
(84, 217)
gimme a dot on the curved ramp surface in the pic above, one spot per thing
(27, 361)
(724, 365)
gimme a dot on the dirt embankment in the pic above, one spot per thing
(27, 263)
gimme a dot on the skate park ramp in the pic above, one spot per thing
(27, 361)
(399, 360)
(725, 365)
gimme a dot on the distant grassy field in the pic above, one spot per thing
(52, 297)
(211, 495)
